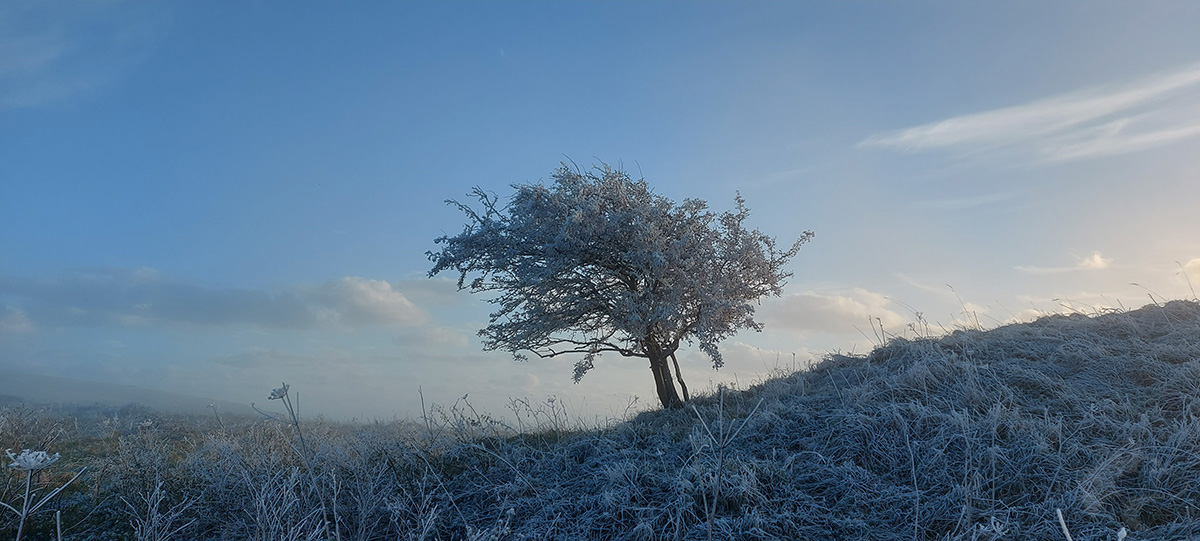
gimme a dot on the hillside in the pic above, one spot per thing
(972, 436)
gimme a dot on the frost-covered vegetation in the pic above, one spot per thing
(972, 436)
(599, 263)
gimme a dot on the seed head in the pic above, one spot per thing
(279, 393)
(31, 460)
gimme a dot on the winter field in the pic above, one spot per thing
(976, 435)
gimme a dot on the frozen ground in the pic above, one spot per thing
(971, 436)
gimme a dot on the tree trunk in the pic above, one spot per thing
(679, 376)
(667, 395)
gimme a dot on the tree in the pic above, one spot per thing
(599, 263)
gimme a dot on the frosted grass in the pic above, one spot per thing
(977, 435)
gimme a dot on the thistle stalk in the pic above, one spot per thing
(32, 462)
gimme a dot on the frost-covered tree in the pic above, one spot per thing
(599, 263)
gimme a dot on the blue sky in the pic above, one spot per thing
(215, 197)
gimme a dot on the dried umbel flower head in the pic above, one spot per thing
(279, 393)
(31, 460)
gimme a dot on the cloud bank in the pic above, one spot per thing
(834, 314)
(141, 297)
(1093, 122)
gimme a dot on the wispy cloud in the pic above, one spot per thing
(963, 203)
(1095, 261)
(53, 51)
(1098, 121)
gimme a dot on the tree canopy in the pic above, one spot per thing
(599, 263)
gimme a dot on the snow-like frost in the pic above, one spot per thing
(978, 435)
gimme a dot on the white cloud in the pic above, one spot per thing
(830, 313)
(1099, 121)
(1095, 261)
(360, 301)
(1189, 274)
(1192, 267)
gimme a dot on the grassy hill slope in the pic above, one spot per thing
(972, 436)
